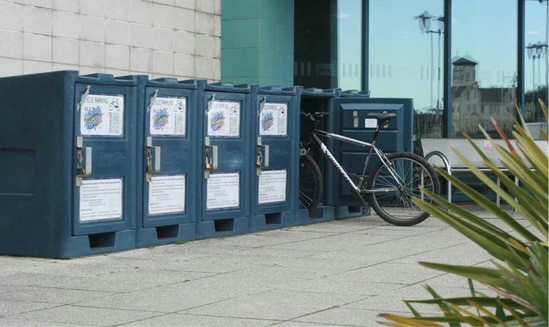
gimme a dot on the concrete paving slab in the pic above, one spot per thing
(380, 275)
(277, 305)
(48, 294)
(125, 281)
(334, 242)
(8, 308)
(9, 322)
(294, 323)
(158, 300)
(419, 292)
(181, 319)
(285, 273)
(86, 316)
(347, 317)
(319, 264)
(31, 279)
(389, 304)
(458, 255)
(451, 280)
(334, 284)
(336, 227)
(272, 252)
(339, 273)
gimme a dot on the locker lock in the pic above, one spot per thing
(83, 160)
(153, 155)
(262, 156)
(210, 158)
(355, 119)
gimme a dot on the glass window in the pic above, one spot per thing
(349, 44)
(314, 45)
(328, 43)
(406, 57)
(536, 60)
(484, 63)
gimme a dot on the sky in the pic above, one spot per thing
(400, 54)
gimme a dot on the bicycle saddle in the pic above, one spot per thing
(382, 115)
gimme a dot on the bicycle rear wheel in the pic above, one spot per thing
(311, 186)
(393, 202)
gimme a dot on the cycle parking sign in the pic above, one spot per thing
(102, 115)
(273, 119)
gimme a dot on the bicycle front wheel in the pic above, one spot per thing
(392, 199)
(311, 186)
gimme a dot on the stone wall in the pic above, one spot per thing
(163, 38)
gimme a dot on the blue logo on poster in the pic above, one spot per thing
(161, 119)
(217, 121)
(93, 118)
(267, 122)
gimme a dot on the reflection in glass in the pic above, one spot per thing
(405, 57)
(328, 44)
(484, 66)
(536, 62)
(315, 40)
(349, 44)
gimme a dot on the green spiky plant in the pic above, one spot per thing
(520, 257)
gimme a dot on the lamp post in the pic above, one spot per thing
(425, 23)
(546, 43)
(536, 51)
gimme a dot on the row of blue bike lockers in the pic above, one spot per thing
(93, 164)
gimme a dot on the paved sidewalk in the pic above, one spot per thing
(339, 273)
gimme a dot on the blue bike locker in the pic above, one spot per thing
(275, 156)
(349, 117)
(316, 100)
(67, 164)
(225, 160)
(167, 148)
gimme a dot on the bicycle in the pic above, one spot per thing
(392, 184)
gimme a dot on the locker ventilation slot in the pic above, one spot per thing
(273, 218)
(102, 240)
(355, 209)
(224, 225)
(167, 231)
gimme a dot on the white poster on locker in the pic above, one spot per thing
(223, 191)
(101, 199)
(224, 119)
(167, 194)
(273, 119)
(102, 115)
(272, 186)
(168, 116)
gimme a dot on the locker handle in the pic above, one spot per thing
(84, 160)
(355, 119)
(215, 159)
(263, 156)
(211, 155)
(154, 159)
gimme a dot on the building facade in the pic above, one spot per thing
(400, 48)
(391, 48)
(162, 38)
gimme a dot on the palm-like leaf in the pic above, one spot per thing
(519, 276)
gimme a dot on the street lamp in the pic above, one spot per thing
(536, 51)
(425, 23)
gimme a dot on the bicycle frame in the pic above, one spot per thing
(373, 148)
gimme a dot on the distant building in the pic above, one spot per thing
(473, 105)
